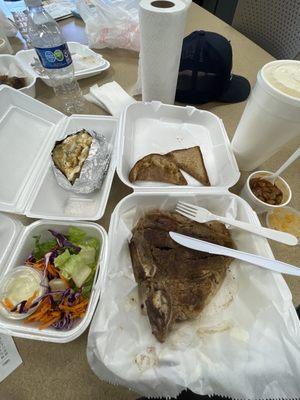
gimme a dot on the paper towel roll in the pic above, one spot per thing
(162, 27)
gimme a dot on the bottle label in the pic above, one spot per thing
(54, 57)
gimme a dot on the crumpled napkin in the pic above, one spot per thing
(110, 96)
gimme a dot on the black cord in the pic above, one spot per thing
(216, 6)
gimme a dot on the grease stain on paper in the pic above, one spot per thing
(147, 359)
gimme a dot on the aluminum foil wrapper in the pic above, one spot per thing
(93, 170)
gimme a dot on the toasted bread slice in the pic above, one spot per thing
(157, 168)
(191, 161)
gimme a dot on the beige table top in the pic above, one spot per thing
(51, 371)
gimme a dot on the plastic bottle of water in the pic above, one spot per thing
(54, 55)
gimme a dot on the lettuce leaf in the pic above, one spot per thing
(77, 267)
(76, 235)
(60, 260)
(88, 285)
(40, 249)
(80, 268)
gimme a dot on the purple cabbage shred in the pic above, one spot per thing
(31, 258)
(62, 241)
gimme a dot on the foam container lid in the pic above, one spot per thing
(26, 57)
(153, 127)
(28, 131)
(16, 243)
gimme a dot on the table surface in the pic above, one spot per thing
(50, 371)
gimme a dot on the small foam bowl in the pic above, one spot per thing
(258, 205)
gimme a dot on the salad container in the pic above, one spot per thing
(16, 243)
(28, 132)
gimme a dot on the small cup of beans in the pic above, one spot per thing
(262, 195)
(265, 191)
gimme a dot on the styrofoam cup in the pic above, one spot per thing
(271, 119)
(258, 205)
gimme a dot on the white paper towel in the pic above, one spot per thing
(162, 27)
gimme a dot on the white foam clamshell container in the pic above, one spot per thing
(153, 127)
(118, 322)
(28, 131)
(159, 128)
(28, 186)
(16, 243)
(26, 57)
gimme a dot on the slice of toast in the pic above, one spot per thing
(191, 161)
(157, 168)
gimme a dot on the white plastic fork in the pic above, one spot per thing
(272, 178)
(200, 214)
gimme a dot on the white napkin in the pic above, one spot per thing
(111, 96)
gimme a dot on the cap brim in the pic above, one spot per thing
(238, 90)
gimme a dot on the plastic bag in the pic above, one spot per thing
(7, 27)
(113, 23)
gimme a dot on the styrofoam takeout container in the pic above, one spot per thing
(6, 61)
(162, 369)
(16, 243)
(28, 131)
(118, 321)
(154, 127)
(26, 57)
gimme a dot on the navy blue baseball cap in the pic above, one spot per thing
(205, 71)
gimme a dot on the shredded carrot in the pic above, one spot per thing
(53, 271)
(75, 308)
(46, 314)
(8, 304)
(47, 324)
(43, 308)
(30, 300)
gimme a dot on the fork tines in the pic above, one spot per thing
(186, 209)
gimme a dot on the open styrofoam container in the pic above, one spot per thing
(26, 58)
(154, 127)
(223, 202)
(128, 211)
(249, 298)
(28, 131)
(16, 243)
(8, 61)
